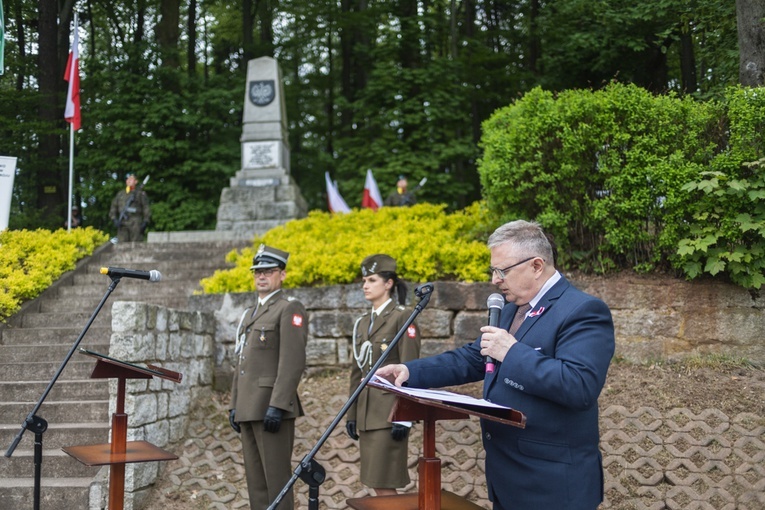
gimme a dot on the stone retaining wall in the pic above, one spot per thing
(158, 409)
(655, 318)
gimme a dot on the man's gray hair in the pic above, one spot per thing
(527, 236)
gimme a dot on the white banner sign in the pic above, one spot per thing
(7, 173)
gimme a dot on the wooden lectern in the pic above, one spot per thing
(429, 410)
(121, 451)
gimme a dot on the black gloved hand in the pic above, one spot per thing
(233, 422)
(350, 428)
(399, 432)
(273, 419)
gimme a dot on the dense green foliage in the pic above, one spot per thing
(30, 261)
(616, 176)
(399, 87)
(327, 249)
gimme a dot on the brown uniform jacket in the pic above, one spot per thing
(373, 406)
(271, 361)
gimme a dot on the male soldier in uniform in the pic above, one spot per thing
(400, 197)
(135, 203)
(270, 349)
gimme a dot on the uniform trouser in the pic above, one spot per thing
(130, 231)
(268, 463)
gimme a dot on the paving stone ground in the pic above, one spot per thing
(655, 457)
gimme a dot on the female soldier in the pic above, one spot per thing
(383, 445)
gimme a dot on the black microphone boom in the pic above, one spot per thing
(495, 303)
(118, 272)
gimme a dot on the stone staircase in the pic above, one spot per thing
(35, 341)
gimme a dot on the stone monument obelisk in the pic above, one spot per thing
(262, 194)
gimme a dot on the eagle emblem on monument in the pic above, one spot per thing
(262, 92)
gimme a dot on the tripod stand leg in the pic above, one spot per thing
(38, 426)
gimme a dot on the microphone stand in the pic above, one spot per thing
(310, 471)
(39, 425)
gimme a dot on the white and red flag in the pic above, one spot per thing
(371, 198)
(72, 75)
(335, 202)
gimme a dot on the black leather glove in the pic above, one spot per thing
(350, 428)
(233, 422)
(399, 432)
(273, 419)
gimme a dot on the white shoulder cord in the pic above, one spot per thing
(364, 357)
(240, 338)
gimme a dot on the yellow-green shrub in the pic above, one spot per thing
(30, 261)
(327, 249)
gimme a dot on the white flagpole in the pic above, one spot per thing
(71, 176)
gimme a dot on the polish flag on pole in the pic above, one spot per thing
(334, 200)
(72, 75)
(371, 199)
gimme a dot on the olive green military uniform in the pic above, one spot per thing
(270, 363)
(138, 214)
(383, 460)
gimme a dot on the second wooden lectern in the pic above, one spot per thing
(121, 451)
(429, 495)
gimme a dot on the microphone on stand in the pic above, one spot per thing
(118, 272)
(495, 303)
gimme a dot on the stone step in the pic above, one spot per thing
(55, 493)
(23, 337)
(58, 435)
(89, 303)
(156, 252)
(55, 463)
(48, 319)
(83, 389)
(49, 352)
(36, 371)
(132, 290)
(194, 274)
(67, 411)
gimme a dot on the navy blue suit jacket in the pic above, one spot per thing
(553, 375)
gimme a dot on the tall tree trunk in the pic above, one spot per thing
(168, 32)
(266, 17)
(248, 28)
(687, 61)
(751, 42)
(191, 47)
(51, 181)
(22, 44)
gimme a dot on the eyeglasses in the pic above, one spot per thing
(502, 273)
(264, 272)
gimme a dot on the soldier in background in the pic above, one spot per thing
(270, 349)
(400, 196)
(130, 211)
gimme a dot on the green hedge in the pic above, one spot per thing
(30, 261)
(327, 249)
(609, 173)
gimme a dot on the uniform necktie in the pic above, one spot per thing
(371, 323)
(520, 315)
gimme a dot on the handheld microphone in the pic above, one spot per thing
(495, 303)
(118, 272)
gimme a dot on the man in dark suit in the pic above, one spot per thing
(552, 369)
(270, 350)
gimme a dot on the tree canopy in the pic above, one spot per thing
(401, 87)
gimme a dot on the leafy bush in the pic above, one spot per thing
(327, 249)
(602, 171)
(30, 261)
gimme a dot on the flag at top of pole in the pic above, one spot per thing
(72, 75)
(335, 202)
(371, 198)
